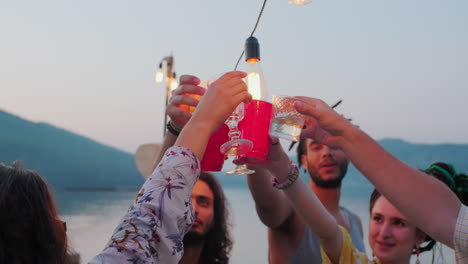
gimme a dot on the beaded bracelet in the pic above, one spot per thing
(292, 177)
(171, 129)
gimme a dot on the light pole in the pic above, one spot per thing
(171, 82)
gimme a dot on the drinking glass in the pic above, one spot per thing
(213, 159)
(287, 122)
(236, 145)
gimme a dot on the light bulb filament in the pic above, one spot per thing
(253, 82)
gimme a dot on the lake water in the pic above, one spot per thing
(92, 216)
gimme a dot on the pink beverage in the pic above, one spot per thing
(255, 127)
(213, 159)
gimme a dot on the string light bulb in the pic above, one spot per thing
(299, 2)
(255, 80)
(174, 83)
(159, 74)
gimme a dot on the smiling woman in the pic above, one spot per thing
(391, 237)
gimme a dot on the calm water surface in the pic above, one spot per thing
(92, 216)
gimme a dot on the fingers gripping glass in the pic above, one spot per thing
(236, 145)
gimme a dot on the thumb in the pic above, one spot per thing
(306, 109)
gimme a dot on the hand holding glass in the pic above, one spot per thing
(287, 122)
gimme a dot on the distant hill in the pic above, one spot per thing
(416, 155)
(65, 159)
(73, 161)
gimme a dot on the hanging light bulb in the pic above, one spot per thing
(299, 2)
(174, 83)
(255, 80)
(258, 112)
(159, 74)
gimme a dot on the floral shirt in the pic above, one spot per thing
(152, 231)
(460, 237)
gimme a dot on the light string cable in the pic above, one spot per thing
(253, 31)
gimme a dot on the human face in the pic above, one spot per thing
(391, 236)
(203, 205)
(327, 166)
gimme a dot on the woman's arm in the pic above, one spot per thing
(316, 216)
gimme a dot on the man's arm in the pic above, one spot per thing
(406, 188)
(179, 115)
(272, 206)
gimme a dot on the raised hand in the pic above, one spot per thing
(222, 98)
(322, 123)
(178, 107)
(216, 105)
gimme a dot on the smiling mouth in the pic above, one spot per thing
(385, 244)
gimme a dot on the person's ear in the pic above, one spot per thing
(420, 237)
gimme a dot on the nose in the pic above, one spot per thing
(194, 206)
(326, 151)
(385, 230)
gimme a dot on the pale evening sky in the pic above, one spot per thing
(88, 66)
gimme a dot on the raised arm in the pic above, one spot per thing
(403, 186)
(178, 114)
(152, 231)
(275, 205)
(272, 206)
(316, 216)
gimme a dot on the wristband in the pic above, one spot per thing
(292, 177)
(171, 129)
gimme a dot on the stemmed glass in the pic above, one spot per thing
(236, 145)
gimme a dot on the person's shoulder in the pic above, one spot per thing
(353, 218)
(350, 213)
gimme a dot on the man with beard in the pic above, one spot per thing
(208, 241)
(290, 240)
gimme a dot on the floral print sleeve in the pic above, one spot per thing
(153, 228)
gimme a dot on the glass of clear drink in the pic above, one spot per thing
(287, 123)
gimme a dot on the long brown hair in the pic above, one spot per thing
(218, 243)
(30, 230)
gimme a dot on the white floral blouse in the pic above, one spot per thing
(152, 231)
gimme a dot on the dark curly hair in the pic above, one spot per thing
(218, 243)
(457, 182)
(30, 230)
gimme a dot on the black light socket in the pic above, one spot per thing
(252, 49)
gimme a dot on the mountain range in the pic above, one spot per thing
(69, 160)
(65, 159)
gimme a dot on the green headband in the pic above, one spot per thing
(447, 175)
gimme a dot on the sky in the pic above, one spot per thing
(88, 66)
